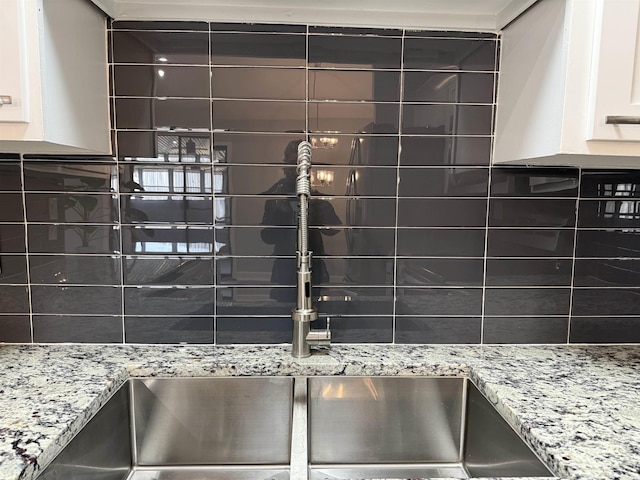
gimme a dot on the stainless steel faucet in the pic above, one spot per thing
(304, 313)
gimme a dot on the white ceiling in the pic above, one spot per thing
(483, 15)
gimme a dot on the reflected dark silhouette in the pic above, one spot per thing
(283, 212)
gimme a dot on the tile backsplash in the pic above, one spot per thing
(188, 233)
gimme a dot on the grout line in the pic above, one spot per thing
(26, 247)
(574, 248)
(212, 144)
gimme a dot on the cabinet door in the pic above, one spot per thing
(14, 105)
(615, 87)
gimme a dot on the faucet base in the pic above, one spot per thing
(299, 346)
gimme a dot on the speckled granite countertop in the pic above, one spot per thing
(578, 406)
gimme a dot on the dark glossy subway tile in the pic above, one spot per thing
(354, 300)
(605, 301)
(534, 182)
(448, 87)
(14, 299)
(15, 329)
(158, 178)
(11, 210)
(445, 151)
(425, 119)
(355, 31)
(530, 242)
(73, 239)
(449, 242)
(450, 54)
(173, 209)
(438, 301)
(526, 329)
(257, 241)
(9, 156)
(71, 208)
(255, 301)
(167, 240)
(449, 34)
(168, 301)
(12, 238)
(354, 118)
(13, 269)
(256, 148)
(160, 25)
(257, 49)
(608, 243)
(258, 27)
(438, 329)
(70, 177)
(80, 300)
(160, 48)
(505, 272)
(161, 81)
(526, 212)
(168, 271)
(168, 330)
(259, 83)
(451, 212)
(443, 182)
(162, 114)
(353, 241)
(10, 177)
(367, 149)
(82, 329)
(605, 330)
(361, 85)
(167, 147)
(607, 272)
(74, 269)
(354, 52)
(361, 329)
(527, 301)
(609, 213)
(243, 330)
(255, 116)
(439, 272)
(610, 183)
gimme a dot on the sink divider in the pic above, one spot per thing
(299, 467)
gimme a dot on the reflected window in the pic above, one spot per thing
(623, 209)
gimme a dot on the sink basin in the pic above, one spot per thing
(303, 428)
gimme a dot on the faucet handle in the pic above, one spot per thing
(320, 338)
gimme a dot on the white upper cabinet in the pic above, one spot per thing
(53, 77)
(569, 87)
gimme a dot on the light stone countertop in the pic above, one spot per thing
(577, 406)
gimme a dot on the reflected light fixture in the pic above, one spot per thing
(324, 142)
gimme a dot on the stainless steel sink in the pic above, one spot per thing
(303, 428)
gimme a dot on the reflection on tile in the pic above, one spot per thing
(167, 240)
(84, 329)
(608, 243)
(168, 330)
(448, 242)
(613, 213)
(257, 241)
(242, 330)
(160, 48)
(256, 148)
(505, 272)
(174, 209)
(168, 301)
(449, 54)
(353, 241)
(161, 81)
(71, 208)
(13, 269)
(438, 330)
(354, 300)
(11, 207)
(442, 212)
(606, 301)
(162, 114)
(354, 52)
(76, 300)
(14, 299)
(534, 182)
(74, 269)
(445, 151)
(530, 243)
(519, 212)
(12, 238)
(607, 272)
(10, 180)
(255, 301)
(526, 329)
(609, 183)
(360, 329)
(259, 83)
(75, 177)
(448, 87)
(253, 116)
(160, 25)
(258, 49)
(355, 31)
(168, 271)
(420, 119)
(604, 330)
(440, 272)
(258, 27)
(439, 301)
(443, 182)
(73, 239)
(177, 148)
(15, 329)
(527, 301)
(165, 178)
(336, 117)
(370, 86)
